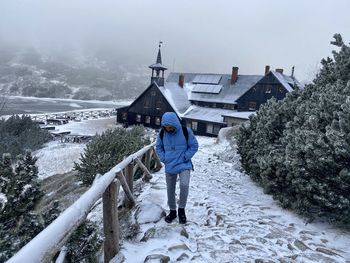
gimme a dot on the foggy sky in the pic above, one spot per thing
(198, 35)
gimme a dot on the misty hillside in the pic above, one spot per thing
(27, 72)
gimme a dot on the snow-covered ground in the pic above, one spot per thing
(57, 157)
(230, 219)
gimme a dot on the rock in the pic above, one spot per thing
(119, 258)
(279, 242)
(219, 219)
(259, 260)
(179, 247)
(148, 213)
(300, 245)
(294, 257)
(263, 222)
(235, 241)
(312, 233)
(261, 240)
(184, 233)
(290, 247)
(148, 234)
(157, 257)
(324, 240)
(275, 234)
(326, 251)
(183, 256)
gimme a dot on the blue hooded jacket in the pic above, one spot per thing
(174, 151)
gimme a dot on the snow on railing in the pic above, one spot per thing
(48, 242)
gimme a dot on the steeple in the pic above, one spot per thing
(158, 68)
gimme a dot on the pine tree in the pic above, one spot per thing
(84, 243)
(19, 221)
(107, 150)
(298, 149)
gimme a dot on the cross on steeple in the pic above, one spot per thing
(158, 68)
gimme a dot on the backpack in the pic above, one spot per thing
(184, 131)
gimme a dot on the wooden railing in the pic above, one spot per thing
(48, 242)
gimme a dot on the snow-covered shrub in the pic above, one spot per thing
(298, 149)
(85, 243)
(19, 221)
(20, 133)
(107, 150)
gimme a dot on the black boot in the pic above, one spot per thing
(182, 216)
(172, 215)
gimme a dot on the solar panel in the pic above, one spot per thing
(207, 79)
(207, 88)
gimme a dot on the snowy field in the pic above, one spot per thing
(58, 158)
(230, 219)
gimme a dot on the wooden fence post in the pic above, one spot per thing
(111, 221)
(147, 175)
(148, 160)
(126, 189)
(130, 181)
(158, 162)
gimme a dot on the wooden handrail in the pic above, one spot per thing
(44, 246)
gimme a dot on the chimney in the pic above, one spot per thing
(234, 75)
(267, 69)
(279, 70)
(181, 80)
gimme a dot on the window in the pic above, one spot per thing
(138, 118)
(146, 104)
(158, 105)
(214, 105)
(188, 124)
(216, 129)
(125, 116)
(148, 119)
(209, 128)
(252, 105)
(268, 89)
(153, 93)
(158, 121)
(194, 125)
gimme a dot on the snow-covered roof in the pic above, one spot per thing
(158, 66)
(206, 114)
(229, 93)
(240, 115)
(287, 81)
(176, 96)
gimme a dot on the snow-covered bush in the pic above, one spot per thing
(298, 149)
(20, 133)
(19, 221)
(85, 243)
(107, 150)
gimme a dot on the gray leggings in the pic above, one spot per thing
(184, 185)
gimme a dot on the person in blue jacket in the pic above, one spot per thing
(175, 147)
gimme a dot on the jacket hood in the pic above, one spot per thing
(170, 118)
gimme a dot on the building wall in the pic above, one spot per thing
(233, 121)
(202, 127)
(146, 109)
(260, 93)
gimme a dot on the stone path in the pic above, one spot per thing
(230, 220)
